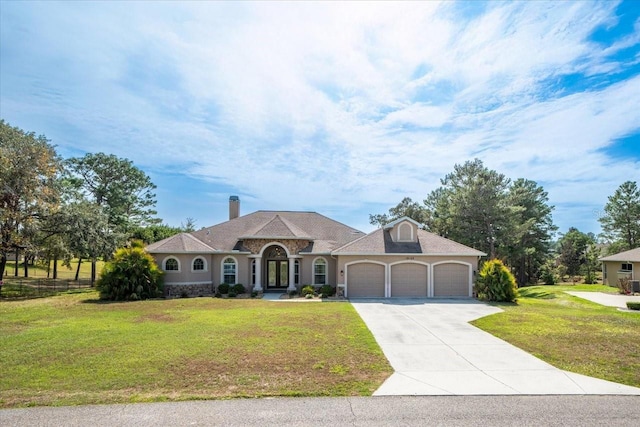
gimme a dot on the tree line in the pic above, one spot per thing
(59, 209)
(512, 221)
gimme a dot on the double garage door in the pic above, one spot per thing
(408, 280)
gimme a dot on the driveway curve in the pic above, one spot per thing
(435, 351)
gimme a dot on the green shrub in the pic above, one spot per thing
(238, 288)
(232, 294)
(633, 305)
(293, 293)
(590, 278)
(327, 290)
(549, 274)
(308, 290)
(223, 288)
(131, 275)
(254, 294)
(496, 283)
(309, 296)
(218, 295)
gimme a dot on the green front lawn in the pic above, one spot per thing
(572, 333)
(71, 349)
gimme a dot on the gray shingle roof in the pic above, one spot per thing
(183, 242)
(326, 233)
(633, 256)
(277, 228)
(380, 242)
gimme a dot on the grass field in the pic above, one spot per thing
(71, 349)
(64, 273)
(572, 333)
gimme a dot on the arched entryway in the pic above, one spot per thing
(276, 267)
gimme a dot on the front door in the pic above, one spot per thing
(276, 268)
(277, 274)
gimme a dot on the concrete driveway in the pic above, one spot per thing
(435, 351)
(610, 300)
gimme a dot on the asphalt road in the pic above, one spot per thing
(352, 411)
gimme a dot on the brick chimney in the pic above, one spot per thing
(234, 207)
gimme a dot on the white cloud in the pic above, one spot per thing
(334, 104)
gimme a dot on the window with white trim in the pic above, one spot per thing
(198, 265)
(627, 267)
(320, 271)
(171, 264)
(229, 271)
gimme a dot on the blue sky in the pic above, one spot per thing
(340, 108)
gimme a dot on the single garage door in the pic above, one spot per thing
(409, 280)
(451, 280)
(365, 280)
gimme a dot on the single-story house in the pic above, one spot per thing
(621, 265)
(286, 250)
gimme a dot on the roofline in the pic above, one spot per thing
(608, 258)
(277, 237)
(407, 254)
(182, 252)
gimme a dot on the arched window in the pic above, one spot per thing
(199, 264)
(229, 271)
(171, 264)
(319, 271)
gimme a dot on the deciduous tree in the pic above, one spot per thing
(29, 169)
(155, 233)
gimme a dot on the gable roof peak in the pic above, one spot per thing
(277, 227)
(402, 219)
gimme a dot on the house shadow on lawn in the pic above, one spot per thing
(537, 293)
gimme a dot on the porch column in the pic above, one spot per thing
(292, 274)
(258, 285)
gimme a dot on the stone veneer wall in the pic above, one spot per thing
(294, 246)
(176, 291)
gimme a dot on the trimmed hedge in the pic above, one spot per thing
(631, 305)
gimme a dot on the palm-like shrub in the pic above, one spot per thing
(496, 283)
(131, 275)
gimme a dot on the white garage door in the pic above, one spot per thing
(409, 280)
(365, 280)
(451, 280)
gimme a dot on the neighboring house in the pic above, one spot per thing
(283, 251)
(622, 265)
